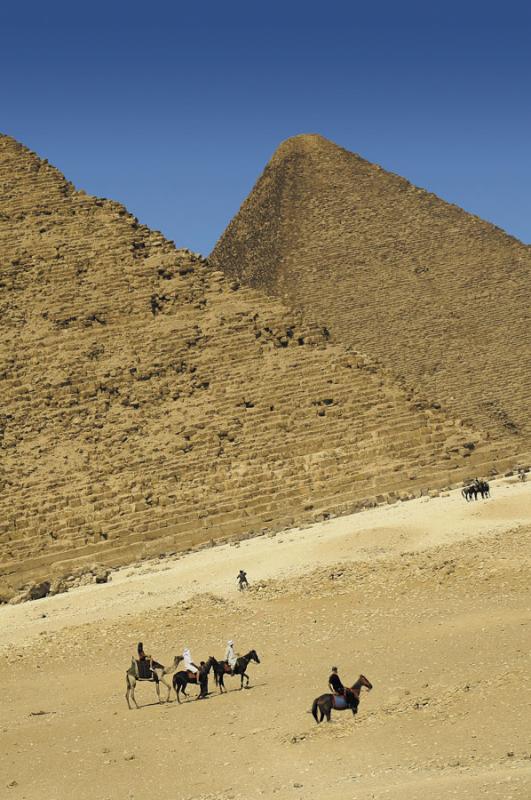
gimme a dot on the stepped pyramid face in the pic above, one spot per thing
(149, 403)
(437, 295)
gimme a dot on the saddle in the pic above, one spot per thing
(143, 670)
(343, 701)
(339, 702)
(192, 676)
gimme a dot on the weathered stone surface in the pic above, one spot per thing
(437, 295)
(148, 406)
(39, 590)
(58, 586)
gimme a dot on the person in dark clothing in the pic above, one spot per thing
(335, 683)
(242, 580)
(144, 664)
(141, 655)
(202, 679)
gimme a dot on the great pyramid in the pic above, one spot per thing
(150, 404)
(437, 295)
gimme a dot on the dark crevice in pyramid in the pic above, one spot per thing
(150, 404)
(435, 294)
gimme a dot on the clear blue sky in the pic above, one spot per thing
(174, 108)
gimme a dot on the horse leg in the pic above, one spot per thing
(128, 690)
(133, 684)
(168, 687)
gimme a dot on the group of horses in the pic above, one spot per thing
(475, 488)
(181, 678)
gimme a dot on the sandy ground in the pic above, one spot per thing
(430, 599)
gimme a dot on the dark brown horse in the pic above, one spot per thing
(184, 677)
(221, 668)
(326, 702)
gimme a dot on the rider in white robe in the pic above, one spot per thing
(230, 655)
(188, 663)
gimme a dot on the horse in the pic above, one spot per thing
(222, 668)
(470, 491)
(483, 488)
(326, 702)
(475, 488)
(158, 671)
(184, 677)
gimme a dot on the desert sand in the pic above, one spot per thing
(430, 599)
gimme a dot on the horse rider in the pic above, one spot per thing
(230, 656)
(336, 684)
(188, 663)
(242, 580)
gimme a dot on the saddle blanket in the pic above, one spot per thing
(339, 702)
(144, 672)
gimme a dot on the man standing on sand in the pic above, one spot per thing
(243, 583)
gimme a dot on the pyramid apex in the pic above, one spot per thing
(302, 142)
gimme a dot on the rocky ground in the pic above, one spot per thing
(430, 599)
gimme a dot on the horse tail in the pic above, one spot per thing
(314, 709)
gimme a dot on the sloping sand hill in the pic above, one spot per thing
(430, 599)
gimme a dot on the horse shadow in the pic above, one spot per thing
(238, 690)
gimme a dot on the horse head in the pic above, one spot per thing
(363, 681)
(253, 655)
(211, 662)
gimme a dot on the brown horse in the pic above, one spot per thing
(222, 668)
(200, 678)
(326, 702)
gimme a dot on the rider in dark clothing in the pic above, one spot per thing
(141, 655)
(144, 664)
(336, 684)
(334, 681)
